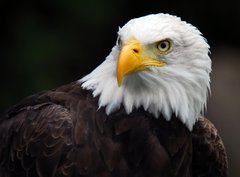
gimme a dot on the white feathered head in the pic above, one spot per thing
(159, 63)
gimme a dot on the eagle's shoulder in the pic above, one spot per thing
(209, 155)
(36, 135)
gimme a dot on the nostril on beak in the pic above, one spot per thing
(135, 50)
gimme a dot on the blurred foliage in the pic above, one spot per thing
(48, 43)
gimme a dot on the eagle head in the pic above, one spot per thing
(160, 63)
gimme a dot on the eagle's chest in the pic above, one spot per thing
(132, 145)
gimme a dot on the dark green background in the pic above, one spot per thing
(45, 44)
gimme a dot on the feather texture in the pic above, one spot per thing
(62, 133)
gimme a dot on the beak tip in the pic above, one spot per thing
(119, 82)
(119, 75)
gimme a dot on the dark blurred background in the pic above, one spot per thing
(44, 44)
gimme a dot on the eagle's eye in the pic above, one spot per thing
(164, 46)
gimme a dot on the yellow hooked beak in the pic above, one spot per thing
(132, 58)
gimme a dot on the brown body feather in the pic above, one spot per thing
(62, 133)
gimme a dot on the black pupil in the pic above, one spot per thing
(163, 45)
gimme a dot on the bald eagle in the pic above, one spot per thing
(138, 114)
